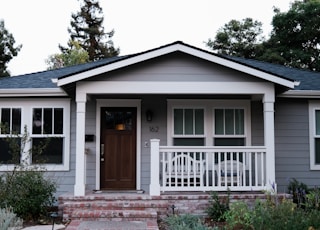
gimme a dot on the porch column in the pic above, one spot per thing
(154, 188)
(269, 140)
(80, 173)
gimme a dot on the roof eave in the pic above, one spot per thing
(301, 94)
(32, 92)
(170, 49)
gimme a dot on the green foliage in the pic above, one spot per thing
(87, 29)
(73, 55)
(295, 35)
(269, 215)
(9, 220)
(312, 201)
(28, 192)
(238, 38)
(184, 222)
(217, 207)
(7, 49)
(25, 188)
(298, 190)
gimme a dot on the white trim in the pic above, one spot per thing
(26, 106)
(313, 106)
(170, 49)
(173, 87)
(301, 94)
(32, 92)
(119, 103)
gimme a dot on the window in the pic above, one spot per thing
(47, 123)
(47, 135)
(209, 122)
(314, 118)
(229, 127)
(188, 126)
(10, 126)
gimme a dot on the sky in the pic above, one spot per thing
(139, 25)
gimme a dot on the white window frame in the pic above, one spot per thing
(208, 105)
(313, 106)
(27, 107)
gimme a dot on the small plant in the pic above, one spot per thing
(9, 220)
(218, 207)
(313, 199)
(184, 222)
(298, 190)
(238, 216)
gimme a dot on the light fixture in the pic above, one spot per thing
(149, 115)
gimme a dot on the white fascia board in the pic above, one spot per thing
(301, 94)
(32, 92)
(144, 87)
(169, 49)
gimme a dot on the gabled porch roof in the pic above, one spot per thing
(183, 48)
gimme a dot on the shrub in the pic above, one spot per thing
(8, 219)
(28, 192)
(184, 222)
(217, 207)
(298, 190)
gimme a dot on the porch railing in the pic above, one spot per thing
(201, 168)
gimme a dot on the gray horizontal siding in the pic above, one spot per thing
(292, 144)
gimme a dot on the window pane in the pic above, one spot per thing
(37, 121)
(199, 121)
(58, 121)
(10, 150)
(229, 119)
(188, 142)
(16, 121)
(47, 150)
(188, 121)
(317, 151)
(219, 121)
(5, 121)
(317, 122)
(47, 121)
(239, 121)
(229, 141)
(178, 121)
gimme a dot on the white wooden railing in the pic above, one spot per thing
(201, 168)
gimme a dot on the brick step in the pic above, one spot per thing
(111, 205)
(117, 215)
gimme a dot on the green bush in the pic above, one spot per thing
(8, 219)
(217, 207)
(270, 215)
(184, 222)
(28, 192)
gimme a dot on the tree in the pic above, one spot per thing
(295, 38)
(88, 31)
(7, 49)
(238, 38)
(74, 55)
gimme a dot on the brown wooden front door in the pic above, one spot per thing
(118, 148)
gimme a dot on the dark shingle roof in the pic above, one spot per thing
(44, 79)
(308, 80)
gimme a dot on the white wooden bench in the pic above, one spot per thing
(183, 170)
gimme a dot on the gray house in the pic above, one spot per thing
(172, 119)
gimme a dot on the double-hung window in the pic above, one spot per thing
(314, 129)
(229, 127)
(188, 126)
(10, 129)
(46, 125)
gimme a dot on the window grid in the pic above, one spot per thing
(197, 128)
(13, 123)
